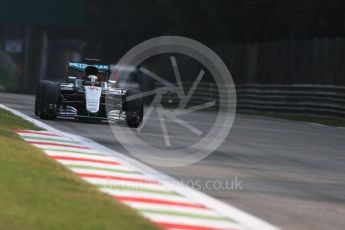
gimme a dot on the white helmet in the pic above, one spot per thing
(92, 79)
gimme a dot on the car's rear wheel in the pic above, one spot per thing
(47, 99)
(134, 109)
(38, 97)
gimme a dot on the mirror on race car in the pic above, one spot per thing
(71, 79)
(111, 84)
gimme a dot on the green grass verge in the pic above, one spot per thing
(296, 117)
(38, 193)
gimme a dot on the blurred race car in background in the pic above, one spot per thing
(88, 94)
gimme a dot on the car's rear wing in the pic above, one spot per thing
(82, 66)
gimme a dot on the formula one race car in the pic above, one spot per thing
(88, 94)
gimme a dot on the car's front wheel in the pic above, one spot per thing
(47, 99)
(134, 109)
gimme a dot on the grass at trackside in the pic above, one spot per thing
(38, 193)
(296, 117)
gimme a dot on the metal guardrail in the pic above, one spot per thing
(317, 100)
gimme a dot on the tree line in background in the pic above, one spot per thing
(218, 21)
(112, 27)
(213, 22)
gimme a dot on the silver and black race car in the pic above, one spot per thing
(88, 94)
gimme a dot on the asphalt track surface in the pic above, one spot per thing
(292, 174)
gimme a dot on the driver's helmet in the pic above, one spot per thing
(91, 80)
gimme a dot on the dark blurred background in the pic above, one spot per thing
(275, 49)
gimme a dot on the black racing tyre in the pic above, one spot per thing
(38, 96)
(48, 93)
(134, 109)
